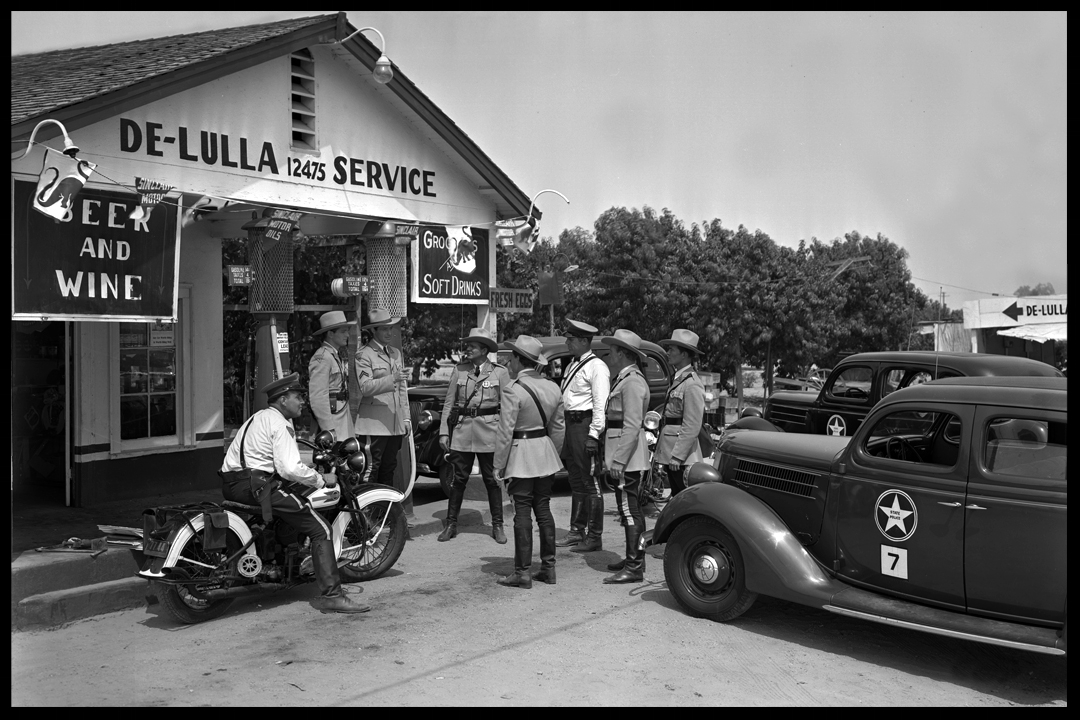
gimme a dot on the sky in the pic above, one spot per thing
(944, 132)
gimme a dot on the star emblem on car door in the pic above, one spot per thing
(896, 515)
(836, 425)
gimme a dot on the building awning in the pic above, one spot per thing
(1038, 333)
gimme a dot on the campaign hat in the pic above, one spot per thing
(279, 387)
(626, 339)
(332, 321)
(379, 317)
(684, 338)
(482, 336)
(575, 328)
(527, 347)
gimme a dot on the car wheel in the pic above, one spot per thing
(704, 570)
(446, 476)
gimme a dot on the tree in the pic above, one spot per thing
(1040, 289)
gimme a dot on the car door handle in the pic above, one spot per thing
(952, 504)
(974, 507)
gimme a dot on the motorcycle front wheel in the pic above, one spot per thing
(371, 550)
(183, 601)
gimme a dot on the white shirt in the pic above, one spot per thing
(270, 446)
(587, 389)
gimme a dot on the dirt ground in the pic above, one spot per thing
(442, 632)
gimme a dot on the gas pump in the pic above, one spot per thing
(270, 252)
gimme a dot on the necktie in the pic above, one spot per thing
(476, 371)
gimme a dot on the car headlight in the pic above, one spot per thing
(701, 472)
(426, 419)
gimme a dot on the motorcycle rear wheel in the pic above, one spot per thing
(379, 552)
(179, 600)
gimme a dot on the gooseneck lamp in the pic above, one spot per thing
(383, 72)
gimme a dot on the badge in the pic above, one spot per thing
(896, 515)
(836, 425)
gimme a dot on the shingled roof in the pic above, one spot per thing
(81, 86)
(42, 83)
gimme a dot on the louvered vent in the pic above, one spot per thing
(303, 101)
(774, 477)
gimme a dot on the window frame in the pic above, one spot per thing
(185, 404)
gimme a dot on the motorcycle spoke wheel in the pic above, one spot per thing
(372, 551)
(186, 602)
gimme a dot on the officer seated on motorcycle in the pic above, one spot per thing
(263, 455)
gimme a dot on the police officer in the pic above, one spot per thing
(471, 413)
(626, 452)
(585, 385)
(383, 415)
(328, 382)
(261, 457)
(684, 410)
(527, 455)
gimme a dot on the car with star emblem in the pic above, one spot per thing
(859, 381)
(946, 511)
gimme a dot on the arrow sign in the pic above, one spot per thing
(1013, 311)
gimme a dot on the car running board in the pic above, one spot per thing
(856, 603)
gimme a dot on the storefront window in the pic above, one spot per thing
(147, 380)
(151, 389)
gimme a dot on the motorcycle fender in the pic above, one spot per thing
(370, 494)
(183, 532)
(776, 563)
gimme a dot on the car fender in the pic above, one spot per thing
(776, 563)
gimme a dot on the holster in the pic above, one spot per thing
(262, 487)
(338, 400)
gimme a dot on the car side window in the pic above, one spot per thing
(918, 436)
(890, 380)
(1023, 447)
(654, 371)
(852, 384)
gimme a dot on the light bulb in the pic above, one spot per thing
(383, 72)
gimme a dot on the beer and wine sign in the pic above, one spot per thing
(93, 261)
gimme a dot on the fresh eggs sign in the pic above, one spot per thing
(450, 265)
(95, 263)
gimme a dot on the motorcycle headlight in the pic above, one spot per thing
(426, 419)
(358, 463)
(348, 447)
(652, 421)
(325, 439)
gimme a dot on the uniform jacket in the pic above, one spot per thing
(530, 457)
(587, 389)
(326, 372)
(627, 404)
(384, 405)
(468, 390)
(270, 446)
(685, 398)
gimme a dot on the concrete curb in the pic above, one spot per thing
(50, 589)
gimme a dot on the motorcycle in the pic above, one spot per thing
(654, 483)
(199, 558)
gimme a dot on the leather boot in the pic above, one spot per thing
(634, 567)
(617, 565)
(593, 538)
(522, 560)
(453, 507)
(546, 574)
(494, 493)
(578, 510)
(333, 599)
